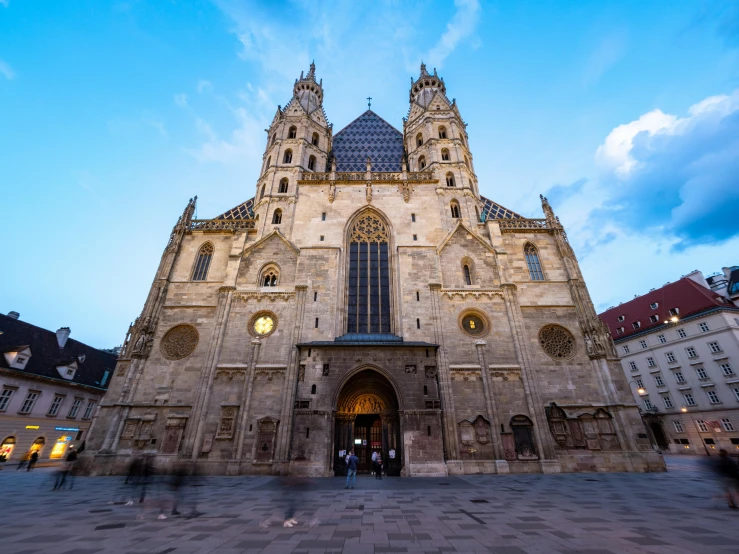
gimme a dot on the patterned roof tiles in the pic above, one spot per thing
(493, 210)
(368, 136)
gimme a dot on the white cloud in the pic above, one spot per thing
(204, 85)
(6, 70)
(181, 100)
(461, 27)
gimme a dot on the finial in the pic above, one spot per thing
(369, 102)
(313, 67)
(435, 75)
(423, 69)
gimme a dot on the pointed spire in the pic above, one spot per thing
(312, 72)
(547, 209)
(425, 73)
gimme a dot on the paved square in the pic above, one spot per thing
(675, 512)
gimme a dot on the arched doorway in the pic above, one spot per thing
(659, 435)
(367, 421)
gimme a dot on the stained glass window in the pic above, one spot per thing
(369, 277)
(532, 261)
(200, 273)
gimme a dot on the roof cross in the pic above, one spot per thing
(369, 102)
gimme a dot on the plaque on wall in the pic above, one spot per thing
(207, 444)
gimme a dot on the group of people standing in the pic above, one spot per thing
(351, 467)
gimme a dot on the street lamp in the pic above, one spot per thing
(674, 319)
(684, 409)
(641, 390)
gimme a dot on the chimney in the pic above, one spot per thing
(14, 315)
(62, 335)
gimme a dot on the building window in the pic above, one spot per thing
(283, 185)
(418, 296)
(703, 327)
(75, 408)
(5, 396)
(621, 317)
(55, 405)
(643, 344)
(467, 275)
(202, 262)
(668, 401)
(648, 405)
(691, 352)
(320, 238)
(653, 318)
(620, 331)
(702, 427)
(315, 296)
(670, 357)
(261, 193)
(418, 323)
(455, 209)
(467, 164)
(701, 373)
(274, 138)
(323, 216)
(726, 424)
(369, 277)
(713, 397)
(444, 155)
(625, 348)
(88, 410)
(316, 323)
(292, 133)
(314, 140)
(674, 311)
(413, 218)
(726, 369)
(313, 389)
(442, 132)
(658, 381)
(288, 157)
(689, 400)
(450, 180)
(678, 426)
(312, 163)
(636, 324)
(736, 393)
(277, 217)
(661, 339)
(270, 277)
(29, 402)
(681, 333)
(419, 139)
(422, 162)
(639, 383)
(650, 362)
(633, 367)
(654, 305)
(679, 377)
(715, 347)
(532, 261)
(415, 237)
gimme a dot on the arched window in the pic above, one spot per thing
(467, 162)
(312, 163)
(202, 262)
(277, 217)
(422, 162)
(293, 132)
(270, 277)
(532, 261)
(288, 158)
(419, 139)
(313, 389)
(269, 162)
(442, 132)
(261, 194)
(368, 309)
(274, 138)
(467, 274)
(455, 209)
(283, 185)
(450, 180)
(444, 155)
(314, 140)
(523, 436)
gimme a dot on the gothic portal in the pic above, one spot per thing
(368, 297)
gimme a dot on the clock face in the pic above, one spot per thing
(264, 325)
(473, 324)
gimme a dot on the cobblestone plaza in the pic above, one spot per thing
(586, 513)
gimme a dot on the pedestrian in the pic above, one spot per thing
(351, 473)
(134, 471)
(32, 460)
(23, 461)
(378, 467)
(728, 475)
(292, 495)
(374, 462)
(64, 469)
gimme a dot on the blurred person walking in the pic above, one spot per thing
(32, 460)
(728, 474)
(351, 473)
(293, 487)
(64, 470)
(23, 461)
(378, 467)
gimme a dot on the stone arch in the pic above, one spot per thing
(369, 368)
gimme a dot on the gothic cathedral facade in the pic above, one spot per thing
(369, 298)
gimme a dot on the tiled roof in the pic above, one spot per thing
(493, 210)
(245, 210)
(46, 354)
(368, 135)
(686, 295)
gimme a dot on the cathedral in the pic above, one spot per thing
(368, 298)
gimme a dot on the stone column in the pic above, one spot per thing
(489, 400)
(246, 396)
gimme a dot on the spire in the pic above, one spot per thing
(308, 91)
(423, 88)
(547, 209)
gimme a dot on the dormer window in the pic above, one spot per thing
(18, 357)
(654, 305)
(67, 371)
(620, 331)
(621, 317)
(636, 324)
(674, 311)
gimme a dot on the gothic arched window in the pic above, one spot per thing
(312, 163)
(293, 132)
(270, 277)
(532, 261)
(419, 139)
(450, 180)
(288, 158)
(422, 162)
(467, 163)
(261, 194)
(456, 214)
(269, 162)
(369, 277)
(467, 274)
(315, 139)
(283, 185)
(277, 217)
(444, 155)
(202, 262)
(442, 132)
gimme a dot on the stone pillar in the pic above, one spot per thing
(246, 399)
(489, 400)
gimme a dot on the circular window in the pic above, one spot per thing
(263, 324)
(474, 324)
(557, 341)
(179, 342)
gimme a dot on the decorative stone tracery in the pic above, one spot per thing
(557, 342)
(179, 342)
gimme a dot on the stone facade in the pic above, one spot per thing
(280, 369)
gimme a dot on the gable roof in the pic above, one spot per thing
(461, 225)
(685, 294)
(368, 136)
(46, 354)
(268, 236)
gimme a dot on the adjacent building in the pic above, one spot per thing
(50, 388)
(679, 349)
(369, 298)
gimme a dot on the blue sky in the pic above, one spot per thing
(113, 114)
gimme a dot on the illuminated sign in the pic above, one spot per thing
(357, 441)
(66, 428)
(32, 426)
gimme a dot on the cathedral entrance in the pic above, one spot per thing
(366, 422)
